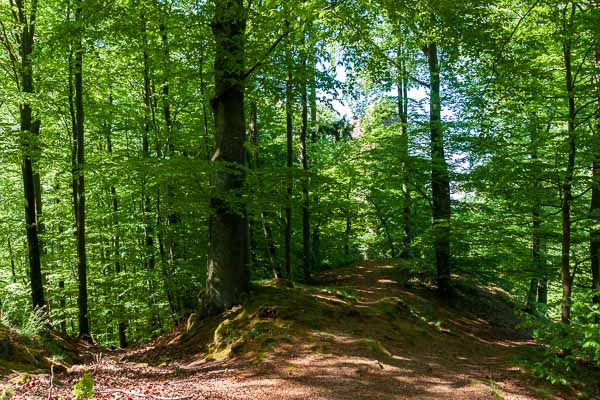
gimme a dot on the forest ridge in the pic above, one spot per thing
(159, 157)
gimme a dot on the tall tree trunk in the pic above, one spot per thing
(116, 239)
(314, 138)
(595, 203)
(536, 258)
(536, 254)
(173, 218)
(289, 100)
(228, 276)
(567, 186)
(149, 260)
(306, 254)
(440, 182)
(82, 295)
(25, 17)
(403, 112)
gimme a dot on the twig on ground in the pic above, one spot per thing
(145, 396)
(51, 382)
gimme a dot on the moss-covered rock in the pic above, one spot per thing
(19, 354)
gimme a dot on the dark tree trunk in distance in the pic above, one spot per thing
(29, 133)
(266, 229)
(403, 112)
(440, 182)
(82, 295)
(567, 186)
(306, 255)
(289, 163)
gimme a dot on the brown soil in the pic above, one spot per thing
(371, 333)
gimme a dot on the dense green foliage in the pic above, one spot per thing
(520, 105)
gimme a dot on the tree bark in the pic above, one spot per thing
(228, 276)
(440, 181)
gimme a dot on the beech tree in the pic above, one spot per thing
(228, 276)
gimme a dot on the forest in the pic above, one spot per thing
(215, 192)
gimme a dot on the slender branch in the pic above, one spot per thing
(264, 57)
(11, 54)
(583, 60)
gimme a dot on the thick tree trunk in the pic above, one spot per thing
(228, 276)
(29, 136)
(440, 182)
(567, 186)
(595, 203)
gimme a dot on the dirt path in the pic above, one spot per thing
(443, 355)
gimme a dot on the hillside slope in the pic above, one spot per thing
(368, 332)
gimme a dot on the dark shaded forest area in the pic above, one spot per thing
(174, 169)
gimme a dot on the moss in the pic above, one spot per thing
(32, 355)
(275, 314)
(21, 379)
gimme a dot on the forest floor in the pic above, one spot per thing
(369, 331)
